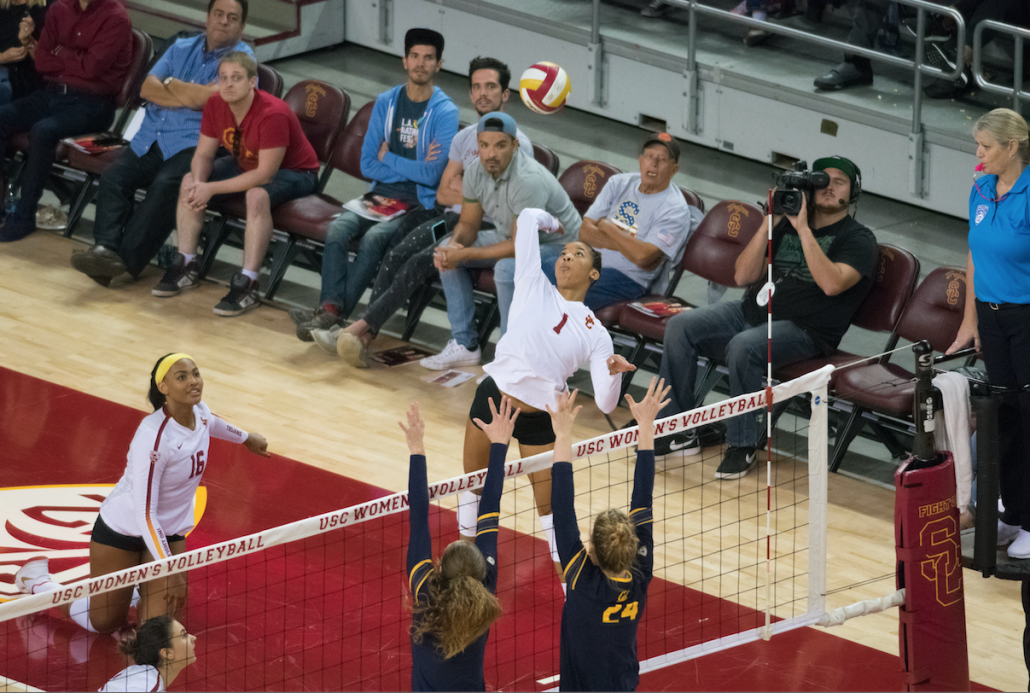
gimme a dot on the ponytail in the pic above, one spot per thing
(156, 398)
(146, 643)
(615, 542)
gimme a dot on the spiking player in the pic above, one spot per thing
(150, 509)
(607, 581)
(550, 332)
(160, 649)
(453, 602)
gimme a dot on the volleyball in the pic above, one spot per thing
(544, 87)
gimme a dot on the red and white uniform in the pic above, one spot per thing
(548, 336)
(138, 677)
(166, 461)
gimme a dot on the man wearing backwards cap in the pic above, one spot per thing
(404, 153)
(823, 264)
(500, 184)
(640, 223)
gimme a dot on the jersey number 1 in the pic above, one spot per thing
(564, 319)
(612, 615)
(197, 461)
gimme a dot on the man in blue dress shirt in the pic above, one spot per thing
(161, 152)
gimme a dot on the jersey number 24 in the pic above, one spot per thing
(612, 613)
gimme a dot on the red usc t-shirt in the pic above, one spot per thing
(268, 124)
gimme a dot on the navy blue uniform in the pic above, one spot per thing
(601, 614)
(464, 671)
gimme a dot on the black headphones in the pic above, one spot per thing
(856, 185)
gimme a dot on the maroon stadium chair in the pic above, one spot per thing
(711, 253)
(269, 80)
(322, 110)
(934, 313)
(692, 198)
(546, 158)
(583, 180)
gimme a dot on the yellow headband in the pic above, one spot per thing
(166, 363)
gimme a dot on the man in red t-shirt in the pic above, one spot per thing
(272, 162)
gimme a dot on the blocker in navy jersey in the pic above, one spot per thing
(429, 670)
(601, 614)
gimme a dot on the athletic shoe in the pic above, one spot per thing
(98, 262)
(690, 442)
(1007, 533)
(351, 350)
(35, 570)
(453, 355)
(1020, 548)
(736, 463)
(322, 320)
(242, 297)
(179, 277)
(326, 339)
(655, 8)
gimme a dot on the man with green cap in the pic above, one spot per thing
(823, 263)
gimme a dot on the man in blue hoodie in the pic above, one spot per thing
(405, 154)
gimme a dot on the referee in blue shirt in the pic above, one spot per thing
(160, 154)
(997, 311)
(607, 580)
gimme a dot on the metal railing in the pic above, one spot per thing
(1018, 35)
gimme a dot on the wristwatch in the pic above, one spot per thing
(168, 80)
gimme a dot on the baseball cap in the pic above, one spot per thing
(498, 122)
(839, 163)
(667, 141)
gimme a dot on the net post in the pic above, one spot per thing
(818, 471)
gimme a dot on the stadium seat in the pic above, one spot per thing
(583, 180)
(934, 313)
(347, 155)
(546, 158)
(692, 198)
(322, 110)
(94, 165)
(711, 253)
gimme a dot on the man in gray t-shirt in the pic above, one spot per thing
(640, 222)
(500, 185)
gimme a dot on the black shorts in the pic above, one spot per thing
(103, 534)
(530, 429)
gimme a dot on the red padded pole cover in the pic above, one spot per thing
(932, 620)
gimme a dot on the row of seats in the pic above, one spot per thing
(894, 307)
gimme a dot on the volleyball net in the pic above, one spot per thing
(322, 603)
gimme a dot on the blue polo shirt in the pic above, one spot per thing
(999, 240)
(176, 129)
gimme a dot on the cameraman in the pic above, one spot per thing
(823, 264)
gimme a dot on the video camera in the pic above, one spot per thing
(788, 199)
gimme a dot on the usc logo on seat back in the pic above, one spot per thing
(314, 93)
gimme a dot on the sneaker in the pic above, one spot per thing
(1007, 533)
(242, 297)
(179, 277)
(654, 9)
(756, 37)
(351, 350)
(35, 570)
(690, 442)
(736, 463)
(323, 319)
(453, 355)
(98, 262)
(326, 339)
(1020, 548)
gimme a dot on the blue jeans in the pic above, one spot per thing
(343, 281)
(613, 286)
(6, 90)
(457, 287)
(719, 332)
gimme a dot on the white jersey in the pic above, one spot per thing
(138, 677)
(166, 461)
(548, 336)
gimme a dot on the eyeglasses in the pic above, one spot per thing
(237, 135)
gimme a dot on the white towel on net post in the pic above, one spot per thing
(951, 430)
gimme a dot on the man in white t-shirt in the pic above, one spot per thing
(640, 222)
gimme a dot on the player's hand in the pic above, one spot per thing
(503, 423)
(448, 257)
(648, 407)
(434, 151)
(968, 335)
(414, 431)
(257, 444)
(564, 414)
(383, 149)
(548, 223)
(617, 363)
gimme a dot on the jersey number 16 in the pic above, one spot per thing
(197, 461)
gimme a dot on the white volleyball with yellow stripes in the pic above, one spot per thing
(544, 87)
